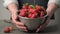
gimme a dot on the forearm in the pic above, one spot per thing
(52, 6)
(12, 5)
(13, 8)
(50, 9)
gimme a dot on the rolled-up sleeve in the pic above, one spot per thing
(7, 2)
(57, 2)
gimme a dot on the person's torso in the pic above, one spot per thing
(34, 2)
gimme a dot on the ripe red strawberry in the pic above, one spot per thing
(41, 14)
(34, 15)
(38, 7)
(23, 14)
(44, 11)
(23, 10)
(25, 6)
(29, 7)
(32, 10)
(7, 30)
(29, 15)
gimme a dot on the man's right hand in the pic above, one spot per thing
(18, 24)
(13, 8)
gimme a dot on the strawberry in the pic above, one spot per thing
(41, 14)
(29, 15)
(34, 15)
(23, 10)
(25, 6)
(32, 10)
(23, 14)
(31, 7)
(38, 7)
(6, 30)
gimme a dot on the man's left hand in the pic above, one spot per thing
(42, 26)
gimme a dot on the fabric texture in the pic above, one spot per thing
(57, 2)
(7, 2)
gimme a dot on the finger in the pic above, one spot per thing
(22, 27)
(18, 23)
(42, 26)
(38, 29)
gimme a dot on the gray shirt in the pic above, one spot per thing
(7, 2)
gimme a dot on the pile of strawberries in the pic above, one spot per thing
(31, 11)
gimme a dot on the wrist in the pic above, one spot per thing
(51, 8)
(14, 11)
(14, 15)
(50, 13)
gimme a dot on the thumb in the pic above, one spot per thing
(38, 29)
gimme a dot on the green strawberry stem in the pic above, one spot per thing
(32, 6)
(26, 4)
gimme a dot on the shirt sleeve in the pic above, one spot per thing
(57, 2)
(7, 2)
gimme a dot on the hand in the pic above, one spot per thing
(18, 24)
(43, 26)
